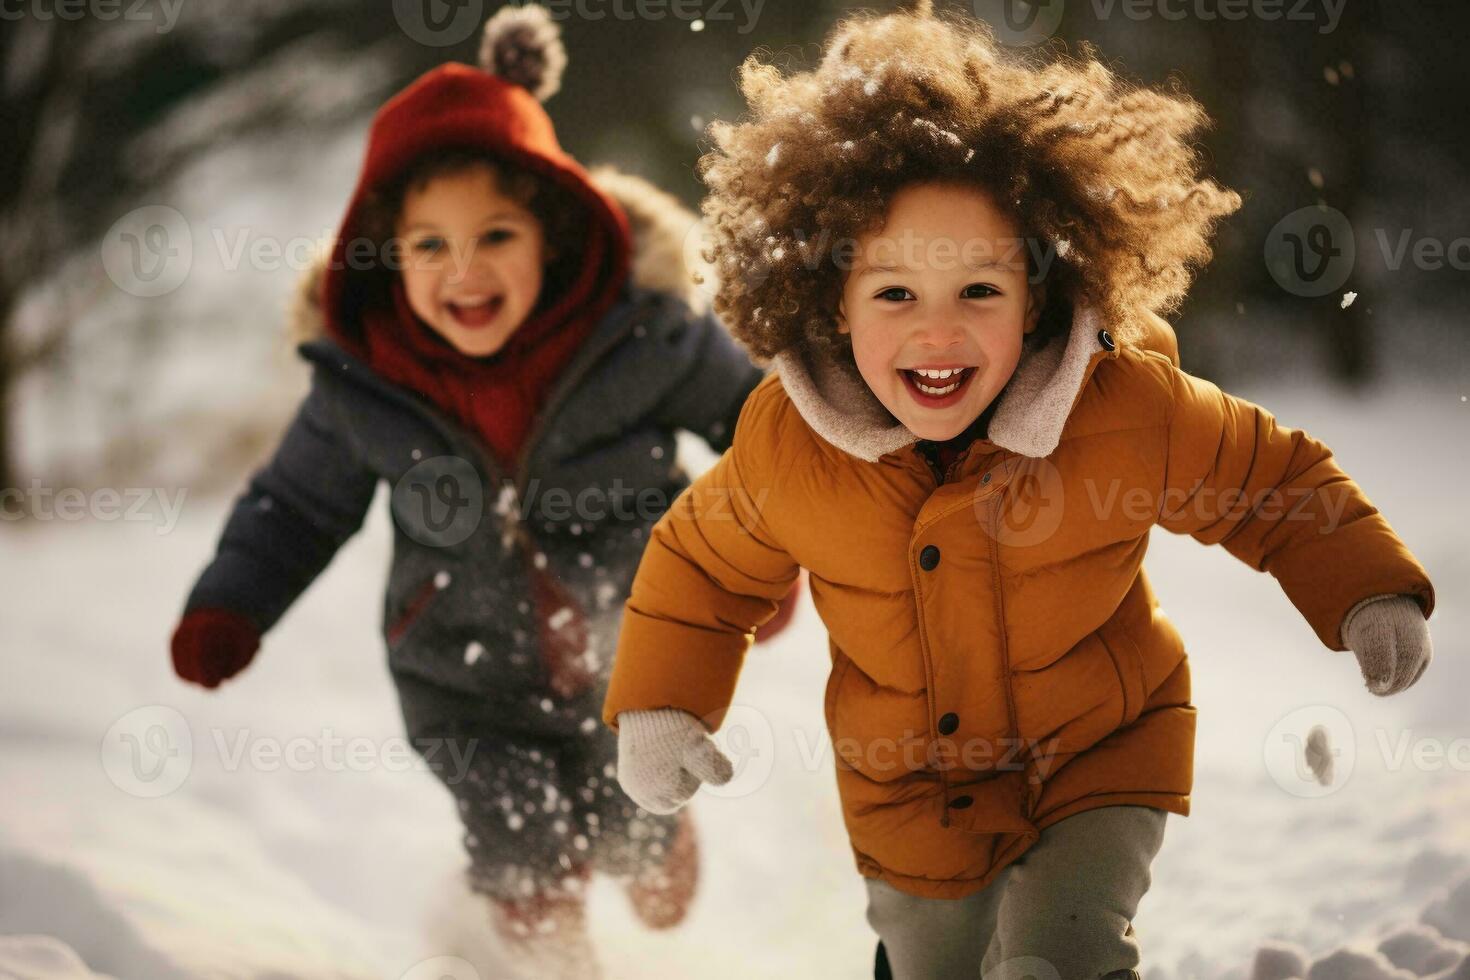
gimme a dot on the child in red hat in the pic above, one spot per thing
(491, 346)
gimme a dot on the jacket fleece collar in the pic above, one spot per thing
(1033, 408)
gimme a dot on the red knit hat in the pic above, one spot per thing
(494, 108)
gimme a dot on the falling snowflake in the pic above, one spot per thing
(506, 502)
(441, 580)
(1347, 299)
(774, 155)
(473, 653)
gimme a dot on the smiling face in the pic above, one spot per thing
(937, 304)
(474, 259)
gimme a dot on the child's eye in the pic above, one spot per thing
(978, 290)
(894, 294)
(499, 236)
(428, 245)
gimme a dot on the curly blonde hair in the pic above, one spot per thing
(1101, 173)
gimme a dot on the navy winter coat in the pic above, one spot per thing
(596, 472)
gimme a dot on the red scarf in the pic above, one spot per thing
(495, 397)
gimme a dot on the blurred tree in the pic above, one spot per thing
(100, 112)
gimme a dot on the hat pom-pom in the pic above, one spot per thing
(523, 46)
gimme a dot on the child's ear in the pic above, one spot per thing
(841, 319)
(1035, 303)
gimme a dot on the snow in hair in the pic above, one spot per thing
(1080, 156)
(523, 45)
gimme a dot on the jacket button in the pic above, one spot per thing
(1106, 339)
(929, 558)
(949, 724)
(960, 802)
(985, 478)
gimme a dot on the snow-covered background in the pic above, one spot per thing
(332, 859)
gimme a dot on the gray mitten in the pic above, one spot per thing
(663, 756)
(1390, 637)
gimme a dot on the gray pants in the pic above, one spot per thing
(1063, 911)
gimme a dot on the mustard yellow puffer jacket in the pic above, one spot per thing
(999, 660)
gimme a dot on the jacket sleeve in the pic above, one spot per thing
(295, 513)
(708, 398)
(1275, 498)
(712, 573)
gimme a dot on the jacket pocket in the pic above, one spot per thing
(411, 612)
(878, 731)
(1127, 661)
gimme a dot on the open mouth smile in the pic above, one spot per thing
(477, 314)
(937, 387)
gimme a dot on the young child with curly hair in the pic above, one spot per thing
(956, 256)
(500, 337)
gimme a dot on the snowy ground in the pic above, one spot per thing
(329, 863)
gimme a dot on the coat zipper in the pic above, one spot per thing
(563, 390)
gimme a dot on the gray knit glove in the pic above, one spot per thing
(1390, 637)
(663, 756)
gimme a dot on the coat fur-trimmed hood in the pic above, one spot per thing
(660, 224)
(838, 405)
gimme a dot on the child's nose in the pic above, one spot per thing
(476, 268)
(939, 333)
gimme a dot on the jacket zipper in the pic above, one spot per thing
(563, 390)
(558, 397)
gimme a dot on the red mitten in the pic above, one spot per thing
(210, 645)
(784, 612)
